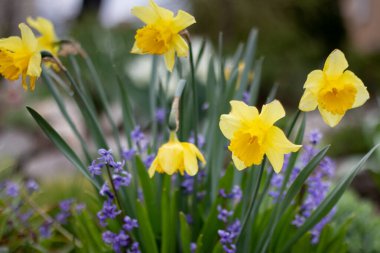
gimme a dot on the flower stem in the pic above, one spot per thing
(114, 188)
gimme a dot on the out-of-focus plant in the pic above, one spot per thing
(210, 207)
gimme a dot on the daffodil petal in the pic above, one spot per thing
(277, 140)
(12, 43)
(196, 151)
(23, 81)
(152, 168)
(43, 26)
(136, 50)
(182, 21)
(362, 94)
(28, 37)
(228, 124)
(34, 66)
(239, 164)
(146, 14)
(276, 159)
(335, 64)
(170, 157)
(308, 101)
(243, 111)
(170, 59)
(329, 118)
(314, 81)
(190, 161)
(272, 112)
(180, 45)
(163, 13)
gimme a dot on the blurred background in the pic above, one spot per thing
(295, 37)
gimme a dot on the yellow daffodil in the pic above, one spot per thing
(253, 135)
(176, 156)
(334, 90)
(161, 35)
(20, 56)
(48, 39)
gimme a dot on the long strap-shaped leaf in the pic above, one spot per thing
(62, 146)
(329, 202)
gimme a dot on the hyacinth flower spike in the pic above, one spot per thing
(161, 34)
(254, 135)
(21, 57)
(334, 90)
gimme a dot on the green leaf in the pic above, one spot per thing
(185, 233)
(147, 240)
(166, 217)
(329, 202)
(63, 147)
(150, 200)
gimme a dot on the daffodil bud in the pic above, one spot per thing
(174, 113)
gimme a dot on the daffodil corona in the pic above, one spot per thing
(20, 56)
(254, 135)
(175, 156)
(48, 39)
(334, 90)
(161, 33)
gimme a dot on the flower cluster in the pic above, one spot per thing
(317, 186)
(228, 236)
(121, 240)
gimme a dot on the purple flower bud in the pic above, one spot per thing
(117, 166)
(109, 210)
(119, 180)
(193, 247)
(106, 191)
(160, 115)
(223, 214)
(108, 237)
(130, 223)
(31, 186)
(315, 136)
(12, 189)
(134, 248)
(95, 168)
(80, 207)
(65, 205)
(128, 154)
(246, 97)
(137, 135)
(148, 160)
(45, 230)
(106, 155)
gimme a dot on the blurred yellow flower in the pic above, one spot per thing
(48, 39)
(334, 90)
(161, 33)
(253, 135)
(20, 56)
(176, 156)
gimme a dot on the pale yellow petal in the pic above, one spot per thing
(136, 50)
(190, 161)
(315, 81)
(34, 65)
(196, 151)
(276, 159)
(182, 21)
(13, 43)
(276, 139)
(145, 13)
(32, 82)
(335, 64)
(243, 111)
(308, 101)
(28, 37)
(180, 46)
(44, 26)
(170, 157)
(238, 163)
(170, 59)
(272, 112)
(153, 168)
(23, 81)
(362, 94)
(329, 118)
(163, 13)
(228, 124)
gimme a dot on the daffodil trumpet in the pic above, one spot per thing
(334, 90)
(253, 135)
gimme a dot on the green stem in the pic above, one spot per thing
(114, 188)
(195, 92)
